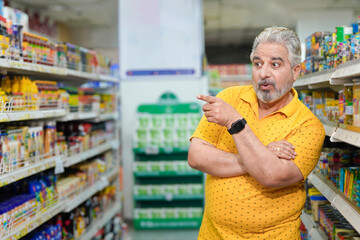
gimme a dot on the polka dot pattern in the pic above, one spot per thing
(240, 207)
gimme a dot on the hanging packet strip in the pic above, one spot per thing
(59, 167)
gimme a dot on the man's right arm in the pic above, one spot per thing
(206, 158)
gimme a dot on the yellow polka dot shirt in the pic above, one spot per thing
(240, 207)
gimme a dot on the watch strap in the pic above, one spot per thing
(237, 126)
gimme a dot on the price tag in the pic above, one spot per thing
(168, 197)
(152, 150)
(59, 167)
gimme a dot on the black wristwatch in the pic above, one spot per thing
(237, 126)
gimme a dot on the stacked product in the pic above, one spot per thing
(77, 221)
(84, 175)
(25, 198)
(163, 167)
(334, 224)
(326, 50)
(344, 109)
(72, 225)
(112, 230)
(166, 131)
(22, 146)
(341, 166)
(83, 136)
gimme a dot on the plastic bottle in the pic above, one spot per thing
(348, 94)
(48, 140)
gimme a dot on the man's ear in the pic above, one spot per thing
(296, 72)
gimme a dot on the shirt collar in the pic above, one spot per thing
(288, 110)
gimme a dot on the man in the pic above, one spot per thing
(257, 144)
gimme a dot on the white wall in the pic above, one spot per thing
(315, 21)
(146, 91)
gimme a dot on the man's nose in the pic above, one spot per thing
(265, 71)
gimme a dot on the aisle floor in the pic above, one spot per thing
(181, 234)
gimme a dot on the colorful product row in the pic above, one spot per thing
(167, 213)
(72, 225)
(164, 189)
(22, 94)
(159, 121)
(326, 50)
(335, 225)
(25, 198)
(162, 166)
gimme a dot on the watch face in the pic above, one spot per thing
(237, 126)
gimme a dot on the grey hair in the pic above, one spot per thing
(280, 35)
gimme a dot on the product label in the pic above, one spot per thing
(349, 110)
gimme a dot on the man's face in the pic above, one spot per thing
(272, 74)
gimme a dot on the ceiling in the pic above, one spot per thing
(226, 22)
(74, 13)
(239, 21)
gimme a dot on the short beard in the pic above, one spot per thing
(266, 96)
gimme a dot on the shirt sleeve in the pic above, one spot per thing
(210, 132)
(308, 141)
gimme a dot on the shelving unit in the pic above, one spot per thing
(65, 205)
(337, 199)
(334, 79)
(165, 162)
(31, 115)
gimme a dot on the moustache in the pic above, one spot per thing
(266, 82)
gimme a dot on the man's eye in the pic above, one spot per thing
(276, 64)
(257, 64)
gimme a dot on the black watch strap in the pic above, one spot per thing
(237, 126)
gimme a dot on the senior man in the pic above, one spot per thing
(257, 144)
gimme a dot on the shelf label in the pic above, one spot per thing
(59, 167)
(152, 150)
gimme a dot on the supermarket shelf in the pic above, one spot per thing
(108, 116)
(313, 229)
(72, 203)
(72, 160)
(330, 127)
(100, 223)
(315, 80)
(24, 67)
(90, 115)
(347, 136)
(337, 199)
(346, 71)
(169, 197)
(108, 78)
(79, 116)
(167, 223)
(167, 174)
(35, 222)
(23, 115)
(27, 171)
(30, 68)
(156, 150)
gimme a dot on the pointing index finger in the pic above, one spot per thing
(208, 99)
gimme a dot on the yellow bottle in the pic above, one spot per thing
(34, 95)
(16, 85)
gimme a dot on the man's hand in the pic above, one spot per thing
(282, 149)
(218, 111)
